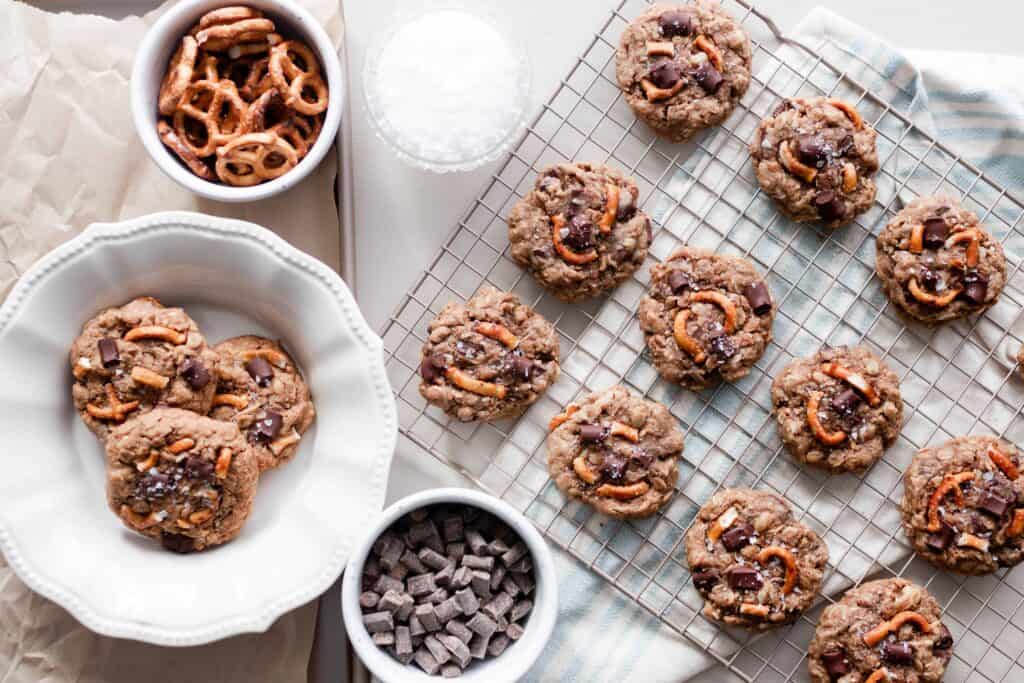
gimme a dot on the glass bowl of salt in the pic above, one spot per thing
(446, 89)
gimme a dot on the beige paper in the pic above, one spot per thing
(69, 156)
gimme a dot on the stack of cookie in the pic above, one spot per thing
(187, 428)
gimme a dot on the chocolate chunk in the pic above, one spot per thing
(975, 287)
(627, 206)
(664, 73)
(758, 298)
(641, 457)
(812, 150)
(368, 599)
(109, 355)
(679, 281)
(579, 236)
(935, 233)
(259, 369)
(647, 230)
(723, 346)
(930, 279)
(195, 373)
(198, 468)
(846, 402)
(843, 146)
(705, 579)
(941, 539)
(737, 536)
(614, 466)
(898, 653)
(522, 368)
(155, 485)
(432, 368)
(944, 641)
(836, 663)
(179, 543)
(830, 205)
(708, 77)
(593, 433)
(268, 427)
(744, 577)
(994, 503)
(675, 22)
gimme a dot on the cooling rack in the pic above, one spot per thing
(956, 379)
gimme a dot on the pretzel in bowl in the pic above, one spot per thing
(296, 74)
(253, 158)
(179, 74)
(209, 116)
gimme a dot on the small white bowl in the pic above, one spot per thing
(162, 40)
(512, 664)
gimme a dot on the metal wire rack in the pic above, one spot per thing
(955, 379)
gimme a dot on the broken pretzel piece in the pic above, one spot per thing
(138, 521)
(879, 676)
(796, 167)
(849, 177)
(1016, 527)
(623, 492)
(560, 419)
(272, 356)
(814, 422)
(878, 634)
(200, 516)
(752, 609)
(656, 94)
(464, 381)
(625, 431)
(787, 558)
(158, 332)
(497, 332)
(611, 209)
(1003, 462)
(724, 521)
(973, 239)
(151, 461)
(931, 299)
(850, 111)
(235, 401)
(147, 377)
(708, 47)
(916, 245)
(951, 484)
(966, 540)
(181, 445)
(684, 340)
(660, 48)
(223, 463)
(115, 410)
(582, 469)
(854, 379)
(567, 254)
(723, 302)
(277, 446)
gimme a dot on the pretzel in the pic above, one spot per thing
(228, 15)
(150, 461)
(497, 332)
(138, 521)
(115, 410)
(295, 82)
(583, 471)
(754, 610)
(257, 48)
(849, 177)
(878, 633)
(916, 245)
(200, 516)
(723, 302)
(660, 48)
(611, 209)
(178, 76)
(854, 379)
(787, 558)
(973, 245)
(258, 80)
(253, 158)
(158, 332)
(559, 420)
(272, 356)
(284, 442)
(684, 340)
(300, 131)
(217, 108)
(208, 69)
(255, 118)
(814, 422)
(794, 165)
(181, 445)
(223, 463)
(1003, 462)
(931, 299)
(966, 540)
(625, 431)
(654, 94)
(147, 377)
(183, 524)
(951, 484)
(724, 521)
(850, 111)
(235, 401)
(567, 254)
(464, 381)
(708, 47)
(623, 492)
(879, 676)
(222, 36)
(1016, 527)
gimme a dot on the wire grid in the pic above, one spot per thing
(955, 379)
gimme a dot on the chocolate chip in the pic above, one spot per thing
(737, 536)
(898, 653)
(267, 428)
(744, 578)
(941, 539)
(843, 146)
(614, 466)
(758, 298)
(675, 23)
(109, 355)
(432, 367)
(664, 73)
(522, 368)
(975, 287)
(705, 579)
(198, 468)
(935, 233)
(177, 543)
(679, 282)
(627, 206)
(642, 457)
(195, 373)
(994, 504)
(593, 433)
(155, 485)
(930, 278)
(944, 641)
(835, 662)
(846, 402)
(579, 235)
(812, 149)
(830, 205)
(723, 346)
(259, 369)
(708, 77)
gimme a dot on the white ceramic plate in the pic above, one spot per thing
(232, 277)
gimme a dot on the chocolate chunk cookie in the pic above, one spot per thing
(963, 504)
(131, 359)
(839, 409)
(937, 263)
(182, 478)
(755, 565)
(816, 157)
(616, 452)
(706, 317)
(683, 68)
(262, 391)
(887, 630)
(579, 231)
(488, 358)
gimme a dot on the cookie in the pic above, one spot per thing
(683, 68)
(131, 359)
(816, 157)
(754, 564)
(616, 452)
(182, 478)
(488, 358)
(963, 504)
(706, 317)
(261, 390)
(937, 263)
(890, 626)
(578, 231)
(839, 409)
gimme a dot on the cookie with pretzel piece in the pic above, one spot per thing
(616, 452)
(133, 358)
(706, 317)
(937, 262)
(838, 409)
(489, 358)
(753, 562)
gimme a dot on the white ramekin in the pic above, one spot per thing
(151, 63)
(520, 655)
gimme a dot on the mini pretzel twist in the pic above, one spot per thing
(234, 400)
(753, 609)
(567, 254)
(258, 81)
(850, 111)
(259, 47)
(138, 521)
(296, 80)
(625, 431)
(217, 108)
(660, 48)
(683, 339)
(877, 634)
(723, 302)
(724, 521)
(655, 94)
(464, 381)
(611, 209)
(181, 445)
(787, 558)
(1003, 462)
(623, 492)
(708, 47)
(179, 74)
(950, 484)
(228, 15)
(561, 418)
(147, 377)
(931, 299)
(795, 166)
(916, 244)
(849, 177)
(583, 471)
(973, 239)
(253, 158)
(855, 380)
(277, 446)
(222, 36)
(183, 151)
(814, 422)
(498, 332)
(158, 332)
(115, 410)
(300, 131)
(223, 463)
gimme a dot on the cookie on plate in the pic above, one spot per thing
(182, 478)
(683, 68)
(963, 504)
(706, 317)
(838, 409)
(937, 262)
(488, 358)
(752, 561)
(578, 231)
(616, 452)
(890, 626)
(129, 359)
(262, 391)
(816, 157)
